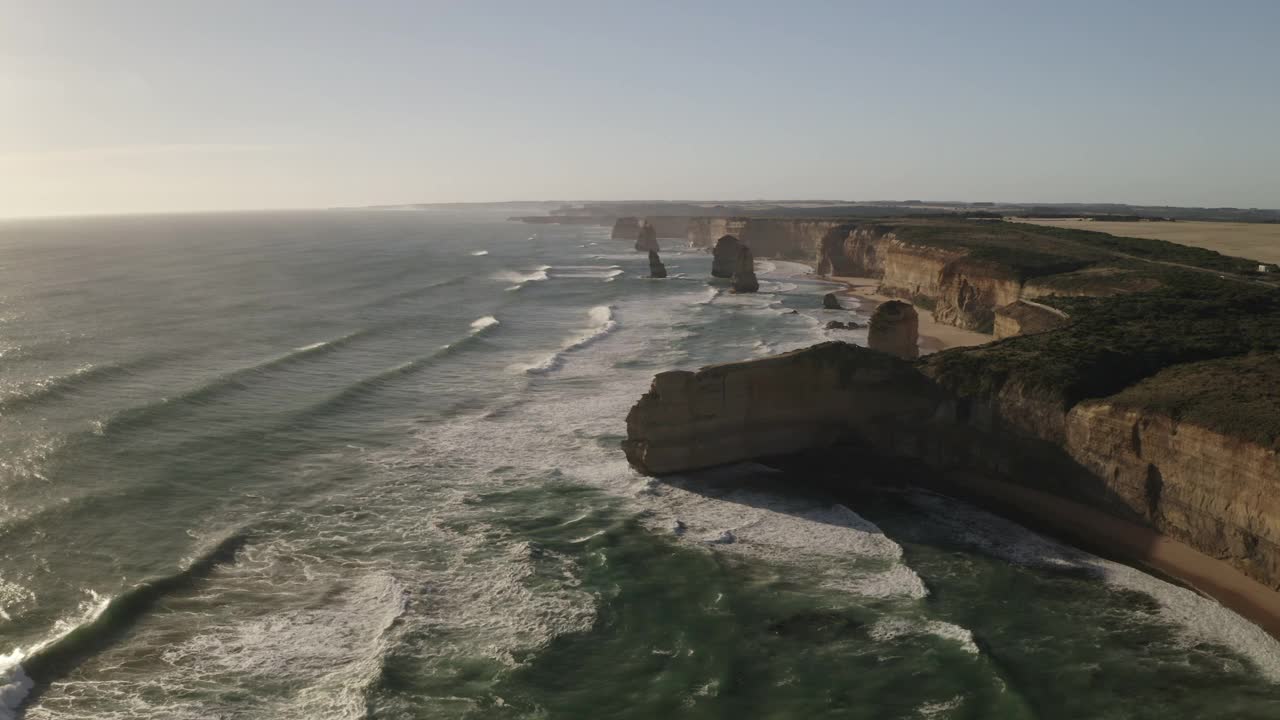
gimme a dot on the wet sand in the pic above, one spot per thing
(1110, 536)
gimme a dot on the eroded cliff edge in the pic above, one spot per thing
(1160, 409)
(969, 273)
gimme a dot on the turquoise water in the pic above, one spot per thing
(365, 464)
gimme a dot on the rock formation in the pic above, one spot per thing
(895, 329)
(656, 268)
(744, 275)
(1025, 317)
(725, 257)
(800, 400)
(831, 302)
(837, 325)
(1139, 469)
(626, 228)
(647, 238)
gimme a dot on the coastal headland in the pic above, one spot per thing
(1121, 391)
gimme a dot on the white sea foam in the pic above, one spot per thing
(935, 709)
(890, 628)
(14, 682)
(600, 323)
(589, 272)
(1200, 619)
(479, 253)
(480, 325)
(838, 549)
(520, 279)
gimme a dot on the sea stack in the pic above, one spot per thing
(831, 302)
(626, 228)
(744, 275)
(895, 329)
(647, 238)
(725, 257)
(656, 268)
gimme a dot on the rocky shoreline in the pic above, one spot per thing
(1084, 381)
(837, 404)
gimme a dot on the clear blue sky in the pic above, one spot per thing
(120, 106)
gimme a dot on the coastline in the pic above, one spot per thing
(934, 336)
(1118, 539)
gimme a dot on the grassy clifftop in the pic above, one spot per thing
(1181, 349)
(1037, 250)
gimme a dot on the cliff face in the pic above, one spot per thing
(1208, 490)
(767, 237)
(895, 329)
(810, 398)
(725, 260)
(744, 274)
(1025, 317)
(1217, 494)
(647, 238)
(625, 228)
(669, 226)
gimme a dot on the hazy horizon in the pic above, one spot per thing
(135, 108)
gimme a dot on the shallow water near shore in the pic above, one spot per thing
(365, 464)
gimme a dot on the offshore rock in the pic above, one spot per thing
(656, 268)
(837, 325)
(647, 238)
(725, 257)
(831, 302)
(626, 228)
(744, 275)
(895, 329)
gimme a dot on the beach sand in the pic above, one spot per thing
(1110, 536)
(934, 336)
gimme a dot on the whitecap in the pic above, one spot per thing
(1198, 618)
(481, 324)
(890, 628)
(600, 324)
(479, 253)
(520, 279)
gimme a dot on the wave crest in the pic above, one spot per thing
(601, 323)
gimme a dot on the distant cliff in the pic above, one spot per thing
(966, 271)
(1159, 406)
(628, 228)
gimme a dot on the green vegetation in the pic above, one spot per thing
(1238, 396)
(1115, 342)
(1038, 250)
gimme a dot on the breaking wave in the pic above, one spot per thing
(519, 279)
(24, 672)
(601, 323)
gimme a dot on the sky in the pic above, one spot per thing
(120, 106)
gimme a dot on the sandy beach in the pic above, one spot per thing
(934, 336)
(1108, 535)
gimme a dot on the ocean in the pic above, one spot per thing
(366, 464)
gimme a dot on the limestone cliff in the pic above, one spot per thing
(647, 238)
(656, 268)
(744, 274)
(1025, 317)
(725, 257)
(784, 238)
(1216, 493)
(626, 228)
(806, 399)
(895, 329)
